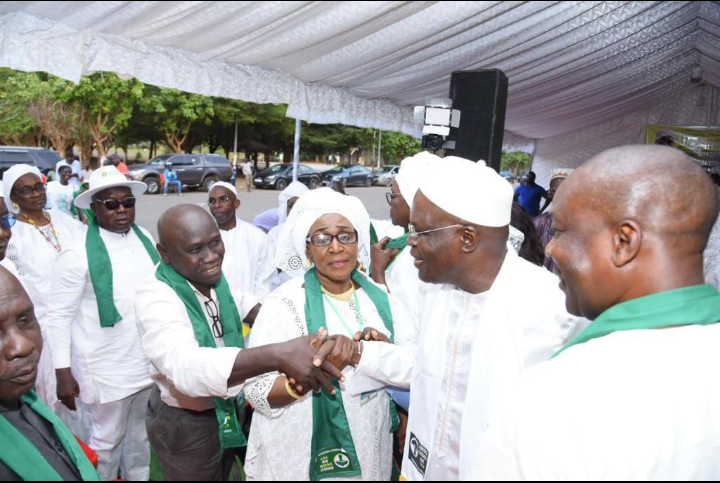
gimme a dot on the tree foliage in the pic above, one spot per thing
(515, 161)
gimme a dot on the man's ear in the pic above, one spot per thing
(237, 204)
(627, 241)
(163, 253)
(470, 239)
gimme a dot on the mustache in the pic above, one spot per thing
(25, 367)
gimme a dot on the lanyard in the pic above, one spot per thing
(342, 319)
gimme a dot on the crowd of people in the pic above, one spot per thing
(473, 336)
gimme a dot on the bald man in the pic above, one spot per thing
(189, 326)
(634, 396)
(35, 444)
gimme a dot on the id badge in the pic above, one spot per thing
(366, 397)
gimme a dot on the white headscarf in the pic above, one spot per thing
(10, 178)
(291, 254)
(294, 190)
(412, 171)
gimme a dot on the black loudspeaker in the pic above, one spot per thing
(481, 98)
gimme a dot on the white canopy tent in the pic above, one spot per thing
(583, 75)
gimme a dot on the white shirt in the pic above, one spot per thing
(280, 439)
(247, 168)
(61, 197)
(403, 281)
(76, 169)
(188, 376)
(633, 405)
(711, 257)
(10, 267)
(249, 264)
(108, 363)
(519, 322)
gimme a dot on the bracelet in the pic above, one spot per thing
(291, 391)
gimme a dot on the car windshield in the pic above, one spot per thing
(159, 161)
(275, 169)
(336, 170)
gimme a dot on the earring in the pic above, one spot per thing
(308, 263)
(15, 205)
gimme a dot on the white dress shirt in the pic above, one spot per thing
(108, 363)
(249, 264)
(188, 376)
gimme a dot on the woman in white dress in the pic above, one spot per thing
(37, 239)
(287, 198)
(297, 436)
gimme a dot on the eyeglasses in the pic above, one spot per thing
(390, 196)
(113, 205)
(212, 311)
(28, 191)
(8, 221)
(415, 235)
(322, 239)
(222, 199)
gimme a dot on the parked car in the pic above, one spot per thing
(281, 175)
(43, 159)
(348, 176)
(385, 175)
(194, 171)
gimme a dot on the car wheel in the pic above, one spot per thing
(208, 183)
(368, 183)
(153, 185)
(314, 182)
(281, 184)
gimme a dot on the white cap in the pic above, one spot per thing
(105, 178)
(470, 191)
(223, 184)
(412, 171)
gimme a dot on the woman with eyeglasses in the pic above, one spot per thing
(301, 436)
(38, 237)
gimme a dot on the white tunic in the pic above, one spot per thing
(35, 260)
(188, 376)
(249, 264)
(61, 197)
(108, 363)
(403, 282)
(455, 385)
(280, 439)
(633, 405)
(10, 267)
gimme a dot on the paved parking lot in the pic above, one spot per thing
(150, 207)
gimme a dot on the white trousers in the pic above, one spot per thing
(120, 439)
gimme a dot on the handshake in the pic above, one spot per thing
(330, 355)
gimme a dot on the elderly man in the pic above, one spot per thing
(92, 332)
(635, 395)
(189, 325)
(472, 327)
(36, 445)
(249, 260)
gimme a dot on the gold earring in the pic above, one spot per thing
(15, 205)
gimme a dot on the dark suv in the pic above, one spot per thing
(194, 170)
(281, 175)
(43, 159)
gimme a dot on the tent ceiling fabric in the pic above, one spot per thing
(571, 65)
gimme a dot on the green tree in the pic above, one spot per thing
(17, 91)
(516, 161)
(396, 146)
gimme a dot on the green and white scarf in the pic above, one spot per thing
(332, 452)
(101, 273)
(22, 457)
(226, 410)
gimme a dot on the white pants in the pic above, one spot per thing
(120, 439)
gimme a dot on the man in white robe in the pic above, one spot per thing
(635, 395)
(490, 317)
(249, 263)
(98, 358)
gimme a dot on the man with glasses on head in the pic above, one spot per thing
(472, 327)
(249, 261)
(95, 344)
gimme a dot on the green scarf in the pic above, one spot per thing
(399, 243)
(101, 273)
(22, 457)
(373, 235)
(332, 452)
(226, 410)
(697, 305)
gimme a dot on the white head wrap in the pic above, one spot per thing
(470, 191)
(294, 190)
(291, 254)
(412, 171)
(12, 175)
(223, 184)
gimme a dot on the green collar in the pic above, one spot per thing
(696, 305)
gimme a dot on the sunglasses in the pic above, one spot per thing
(8, 221)
(113, 205)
